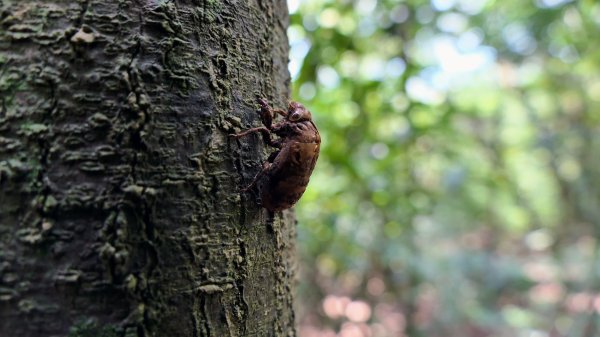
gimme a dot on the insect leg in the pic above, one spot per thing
(263, 130)
(262, 172)
(266, 134)
(263, 103)
(265, 112)
(268, 114)
(281, 112)
(272, 156)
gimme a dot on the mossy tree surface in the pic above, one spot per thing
(120, 211)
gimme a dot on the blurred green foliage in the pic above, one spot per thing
(458, 188)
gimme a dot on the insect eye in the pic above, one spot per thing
(295, 116)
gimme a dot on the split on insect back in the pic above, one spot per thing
(285, 174)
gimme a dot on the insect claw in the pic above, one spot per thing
(262, 102)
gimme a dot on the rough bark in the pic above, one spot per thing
(119, 206)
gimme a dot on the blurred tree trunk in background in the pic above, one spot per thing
(119, 206)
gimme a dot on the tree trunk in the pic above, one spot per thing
(120, 210)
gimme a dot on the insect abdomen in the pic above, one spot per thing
(286, 183)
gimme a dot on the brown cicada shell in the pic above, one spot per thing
(285, 174)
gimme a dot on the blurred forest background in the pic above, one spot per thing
(458, 189)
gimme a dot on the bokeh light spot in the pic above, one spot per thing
(358, 311)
